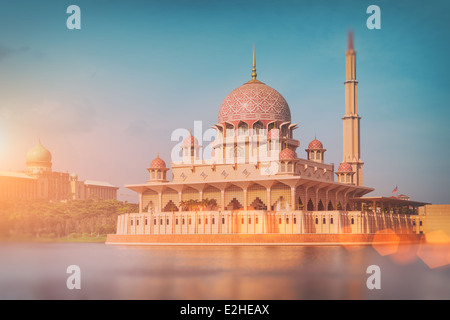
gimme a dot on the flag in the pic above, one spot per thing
(395, 190)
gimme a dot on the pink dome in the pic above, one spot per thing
(315, 144)
(288, 154)
(254, 100)
(345, 167)
(158, 163)
(190, 141)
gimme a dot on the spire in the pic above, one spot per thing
(350, 40)
(254, 65)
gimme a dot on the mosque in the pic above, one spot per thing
(39, 181)
(256, 183)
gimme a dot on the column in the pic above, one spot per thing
(160, 201)
(293, 202)
(245, 199)
(140, 202)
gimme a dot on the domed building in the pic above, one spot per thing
(39, 181)
(255, 182)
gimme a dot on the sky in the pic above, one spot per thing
(105, 99)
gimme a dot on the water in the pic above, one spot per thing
(38, 271)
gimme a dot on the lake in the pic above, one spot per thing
(39, 271)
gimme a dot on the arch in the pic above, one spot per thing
(348, 207)
(150, 196)
(258, 204)
(211, 192)
(300, 204)
(257, 197)
(234, 192)
(284, 130)
(219, 132)
(229, 130)
(237, 152)
(190, 193)
(339, 206)
(258, 128)
(242, 128)
(169, 195)
(234, 204)
(170, 206)
(280, 195)
(310, 206)
(320, 206)
(330, 206)
(290, 167)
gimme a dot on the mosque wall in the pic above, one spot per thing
(263, 221)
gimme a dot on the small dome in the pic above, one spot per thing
(315, 144)
(345, 167)
(190, 141)
(158, 163)
(288, 154)
(39, 154)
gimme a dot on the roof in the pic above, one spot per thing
(392, 200)
(98, 183)
(12, 174)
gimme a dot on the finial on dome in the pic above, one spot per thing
(254, 65)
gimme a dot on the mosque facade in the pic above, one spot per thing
(255, 181)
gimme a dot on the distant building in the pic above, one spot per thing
(433, 218)
(39, 181)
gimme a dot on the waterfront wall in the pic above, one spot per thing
(262, 222)
(263, 239)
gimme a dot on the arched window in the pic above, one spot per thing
(242, 129)
(282, 167)
(258, 128)
(230, 130)
(310, 205)
(237, 152)
(320, 206)
(289, 167)
(284, 131)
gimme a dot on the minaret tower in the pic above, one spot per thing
(351, 126)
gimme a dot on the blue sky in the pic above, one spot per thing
(105, 99)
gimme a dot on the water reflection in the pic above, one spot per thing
(38, 271)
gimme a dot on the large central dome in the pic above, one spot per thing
(254, 101)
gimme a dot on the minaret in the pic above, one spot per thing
(351, 127)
